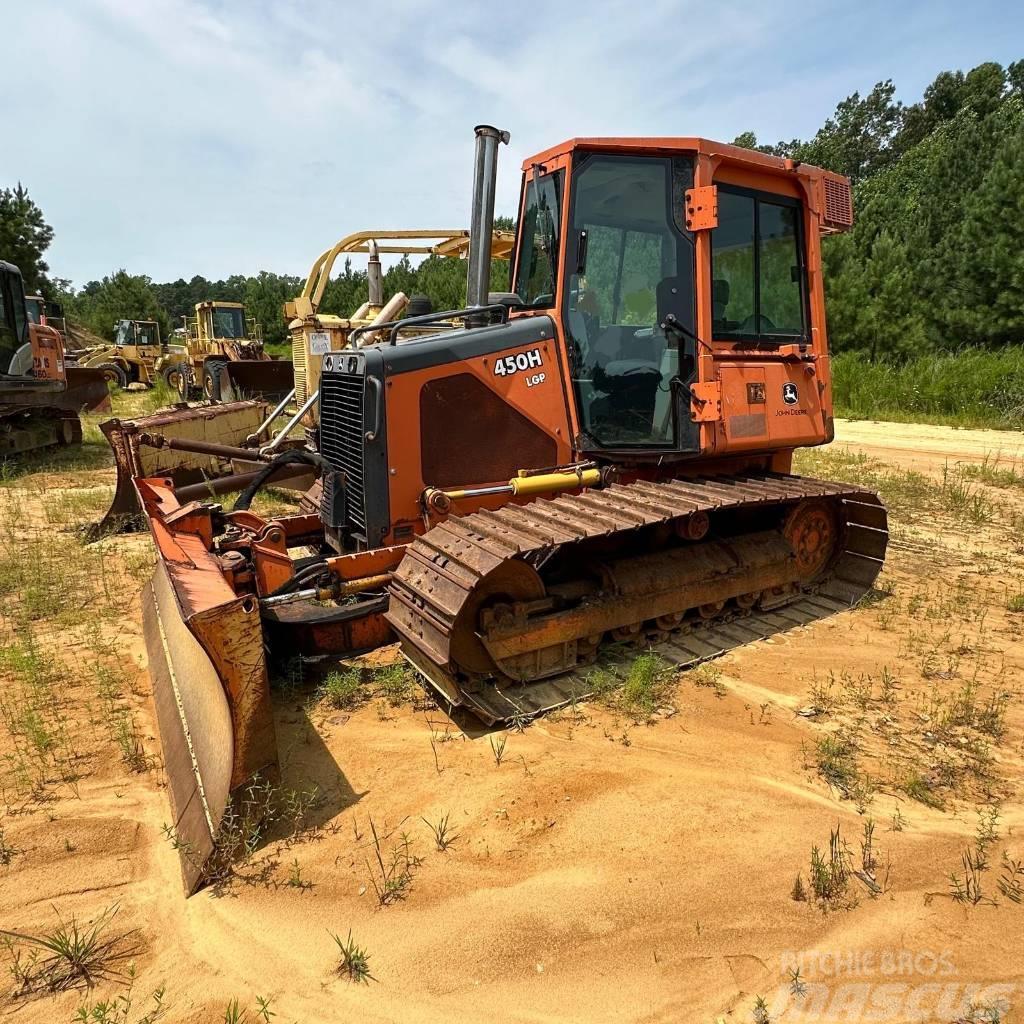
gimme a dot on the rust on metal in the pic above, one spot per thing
(222, 424)
(457, 568)
(210, 684)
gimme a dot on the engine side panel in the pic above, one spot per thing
(469, 408)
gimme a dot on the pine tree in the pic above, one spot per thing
(24, 236)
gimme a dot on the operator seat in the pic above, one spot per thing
(719, 301)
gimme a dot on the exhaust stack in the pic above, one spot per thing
(481, 218)
(375, 275)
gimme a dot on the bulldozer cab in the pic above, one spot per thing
(628, 264)
(14, 318)
(683, 278)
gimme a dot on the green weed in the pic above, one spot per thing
(354, 961)
(120, 1009)
(72, 955)
(830, 872)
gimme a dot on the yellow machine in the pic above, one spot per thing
(219, 333)
(134, 356)
(314, 333)
(244, 420)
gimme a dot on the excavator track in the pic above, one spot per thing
(506, 612)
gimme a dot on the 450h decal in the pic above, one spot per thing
(506, 366)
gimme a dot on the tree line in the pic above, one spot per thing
(934, 262)
(935, 259)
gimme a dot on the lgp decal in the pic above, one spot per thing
(790, 393)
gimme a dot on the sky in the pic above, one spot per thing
(182, 137)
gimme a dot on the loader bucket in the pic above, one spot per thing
(86, 389)
(270, 379)
(210, 685)
(228, 424)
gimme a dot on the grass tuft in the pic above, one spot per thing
(830, 873)
(353, 961)
(71, 955)
(444, 835)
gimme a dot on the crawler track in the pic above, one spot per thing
(436, 596)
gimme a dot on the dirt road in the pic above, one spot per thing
(906, 444)
(606, 869)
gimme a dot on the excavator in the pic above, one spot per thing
(40, 395)
(596, 461)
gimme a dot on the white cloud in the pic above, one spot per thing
(176, 137)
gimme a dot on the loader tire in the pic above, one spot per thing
(211, 379)
(169, 375)
(113, 374)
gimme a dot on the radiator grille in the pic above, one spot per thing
(838, 202)
(341, 438)
(299, 365)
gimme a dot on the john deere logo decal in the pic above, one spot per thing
(790, 394)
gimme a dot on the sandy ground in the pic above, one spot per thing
(607, 870)
(908, 444)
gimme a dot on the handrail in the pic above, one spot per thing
(442, 242)
(395, 326)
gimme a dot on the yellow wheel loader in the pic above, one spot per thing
(220, 336)
(134, 356)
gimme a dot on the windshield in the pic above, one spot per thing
(634, 266)
(13, 326)
(229, 323)
(123, 332)
(537, 266)
(34, 308)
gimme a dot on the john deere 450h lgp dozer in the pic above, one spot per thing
(600, 455)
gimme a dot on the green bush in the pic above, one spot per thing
(973, 387)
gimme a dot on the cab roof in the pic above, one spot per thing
(667, 145)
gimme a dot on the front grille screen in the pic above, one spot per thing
(341, 438)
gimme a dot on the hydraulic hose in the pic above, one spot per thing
(290, 457)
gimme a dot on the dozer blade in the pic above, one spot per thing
(210, 686)
(228, 424)
(86, 389)
(270, 379)
(506, 612)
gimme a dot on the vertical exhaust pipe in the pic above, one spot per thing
(375, 275)
(481, 218)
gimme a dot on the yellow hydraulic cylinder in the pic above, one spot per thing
(546, 483)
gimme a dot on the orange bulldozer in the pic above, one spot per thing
(598, 459)
(41, 396)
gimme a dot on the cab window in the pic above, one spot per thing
(758, 276)
(633, 266)
(13, 325)
(228, 323)
(537, 266)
